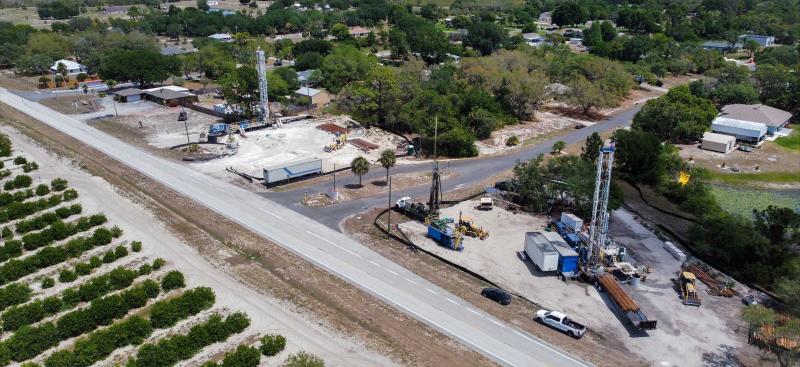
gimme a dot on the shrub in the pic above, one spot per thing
(20, 160)
(145, 269)
(95, 262)
(243, 356)
(42, 190)
(159, 263)
(48, 282)
(5, 146)
(272, 344)
(30, 341)
(18, 182)
(173, 280)
(14, 294)
(171, 350)
(512, 140)
(7, 233)
(167, 313)
(58, 184)
(30, 166)
(11, 249)
(136, 246)
(99, 344)
(70, 194)
(67, 276)
(303, 359)
(83, 269)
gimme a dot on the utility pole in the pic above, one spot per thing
(389, 220)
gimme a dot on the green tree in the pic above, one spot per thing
(387, 160)
(359, 166)
(340, 32)
(586, 95)
(240, 88)
(743, 93)
(676, 116)
(558, 147)
(141, 67)
(344, 65)
(569, 13)
(752, 46)
(486, 37)
(591, 149)
(272, 344)
(637, 155)
(303, 359)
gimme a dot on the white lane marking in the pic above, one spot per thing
(451, 301)
(328, 241)
(270, 213)
(497, 323)
(392, 272)
(374, 263)
(410, 281)
(473, 311)
(430, 290)
(459, 186)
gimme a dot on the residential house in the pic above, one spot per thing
(358, 31)
(545, 18)
(317, 97)
(222, 37)
(177, 50)
(747, 131)
(721, 46)
(117, 9)
(773, 118)
(534, 39)
(128, 95)
(764, 41)
(169, 95)
(72, 67)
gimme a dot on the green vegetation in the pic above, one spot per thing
(791, 142)
(743, 201)
(303, 359)
(272, 344)
(360, 167)
(744, 179)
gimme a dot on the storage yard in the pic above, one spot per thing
(697, 333)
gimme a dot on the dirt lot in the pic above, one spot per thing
(264, 267)
(769, 157)
(73, 104)
(703, 330)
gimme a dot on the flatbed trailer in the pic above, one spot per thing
(624, 302)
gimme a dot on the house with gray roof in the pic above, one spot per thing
(772, 117)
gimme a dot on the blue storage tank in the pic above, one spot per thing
(572, 239)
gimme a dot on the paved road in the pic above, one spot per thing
(467, 172)
(324, 247)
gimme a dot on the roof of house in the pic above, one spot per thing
(718, 138)
(117, 8)
(176, 50)
(756, 36)
(717, 44)
(532, 36)
(165, 93)
(304, 75)
(218, 36)
(174, 88)
(308, 91)
(764, 114)
(128, 92)
(358, 30)
(740, 124)
(71, 65)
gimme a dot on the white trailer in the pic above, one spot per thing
(292, 169)
(540, 251)
(572, 221)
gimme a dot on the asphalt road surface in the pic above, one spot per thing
(467, 172)
(322, 246)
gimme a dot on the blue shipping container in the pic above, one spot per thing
(567, 264)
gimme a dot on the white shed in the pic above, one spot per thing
(718, 142)
(752, 132)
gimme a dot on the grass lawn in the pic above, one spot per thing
(742, 201)
(756, 178)
(790, 142)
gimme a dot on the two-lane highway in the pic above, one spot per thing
(322, 246)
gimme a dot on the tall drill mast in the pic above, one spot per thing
(602, 189)
(261, 68)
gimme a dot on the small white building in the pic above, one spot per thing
(72, 67)
(748, 131)
(358, 32)
(222, 37)
(763, 41)
(718, 142)
(534, 39)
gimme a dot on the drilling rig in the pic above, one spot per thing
(598, 229)
(263, 103)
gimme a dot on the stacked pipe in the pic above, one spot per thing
(617, 294)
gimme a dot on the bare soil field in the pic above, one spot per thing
(73, 104)
(264, 267)
(769, 157)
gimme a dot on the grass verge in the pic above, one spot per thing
(760, 177)
(791, 142)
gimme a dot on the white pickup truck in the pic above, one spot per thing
(560, 321)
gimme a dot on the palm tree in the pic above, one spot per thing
(387, 160)
(111, 83)
(559, 146)
(359, 166)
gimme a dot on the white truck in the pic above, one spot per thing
(560, 321)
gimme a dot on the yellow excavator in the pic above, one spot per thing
(468, 227)
(687, 281)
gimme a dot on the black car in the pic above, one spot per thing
(504, 186)
(498, 295)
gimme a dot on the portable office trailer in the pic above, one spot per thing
(540, 251)
(291, 170)
(572, 221)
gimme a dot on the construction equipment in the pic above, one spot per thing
(338, 143)
(486, 203)
(598, 229)
(715, 287)
(263, 87)
(466, 226)
(624, 302)
(415, 211)
(686, 280)
(442, 231)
